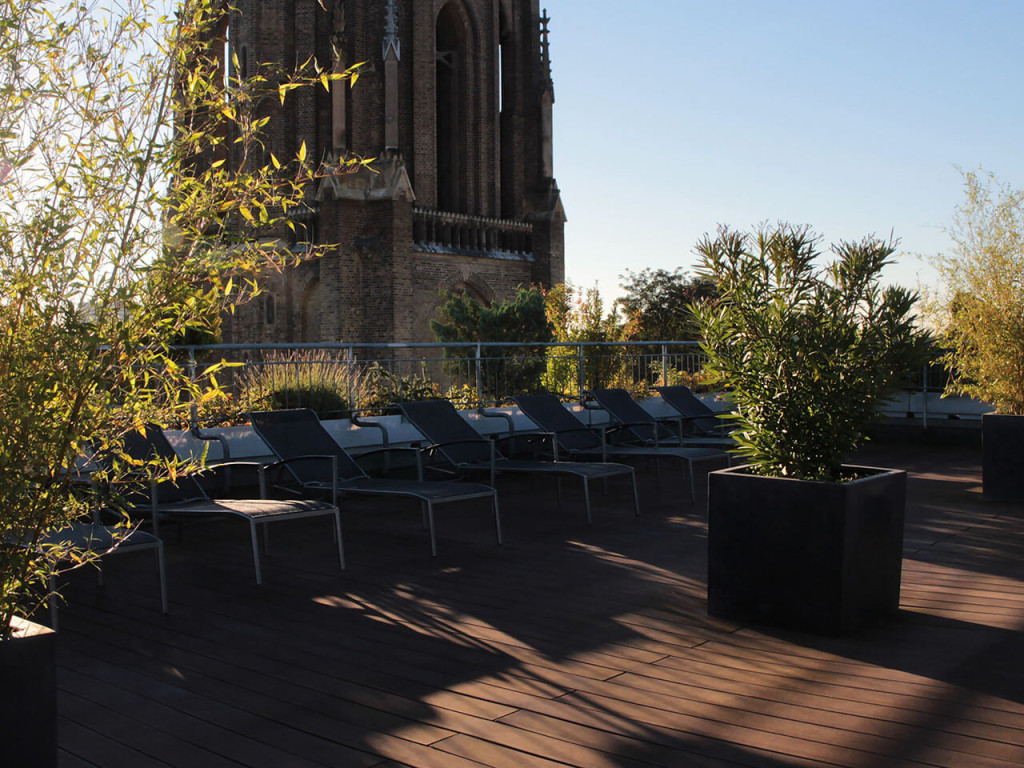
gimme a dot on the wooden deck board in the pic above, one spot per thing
(572, 645)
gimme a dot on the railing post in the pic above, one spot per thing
(580, 378)
(664, 365)
(194, 410)
(479, 373)
(924, 396)
(350, 353)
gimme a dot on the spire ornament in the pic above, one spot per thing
(338, 28)
(391, 41)
(545, 46)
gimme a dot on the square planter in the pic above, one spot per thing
(28, 697)
(818, 557)
(1002, 457)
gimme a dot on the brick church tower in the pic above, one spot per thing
(454, 101)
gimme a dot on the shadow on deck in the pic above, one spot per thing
(571, 645)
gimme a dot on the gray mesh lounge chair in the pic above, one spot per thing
(185, 497)
(576, 438)
(699, 424)
(305, 448)
(464, 448)
(101, 540)
(633, 422)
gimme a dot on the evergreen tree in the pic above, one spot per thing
(506, 370)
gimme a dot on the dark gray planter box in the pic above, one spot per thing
(1002, 457)
(818, 557)
(28, 697)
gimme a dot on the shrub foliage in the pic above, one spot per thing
(982, 319)
(805, 353)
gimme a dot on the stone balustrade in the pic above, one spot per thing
(457, 233)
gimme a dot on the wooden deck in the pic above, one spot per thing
(570, 645)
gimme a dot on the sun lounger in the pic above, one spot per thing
(699, 424)
(306, 450)
(575, 438)
(185, 497)
(465, 449)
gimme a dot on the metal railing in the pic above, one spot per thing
(353, 378)
(367, 377)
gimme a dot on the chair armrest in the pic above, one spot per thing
(628, 424)
(499, 415)
(387, 451)
(491, 444)
(225, 448)
(293, 459)
(234, 464)
(225, 469)
(574, 430)
(472, 441)
(310, 457)
(367, 424)
(549, 436)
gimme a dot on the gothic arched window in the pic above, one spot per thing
(506, 111)
(450, 59)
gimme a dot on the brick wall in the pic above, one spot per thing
(374, 286)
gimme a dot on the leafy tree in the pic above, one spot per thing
(122, 227)
(579, 316)
(982, 318)
(805, 353)
(657, 303)
(506, 370)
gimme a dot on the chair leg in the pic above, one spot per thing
(337, 535)
(497, 516)
(163, 577)
(586, 497)
(693, 487)
(53, 602)
(255, 551)
(636, 493)
(430, 520)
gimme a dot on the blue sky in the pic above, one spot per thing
(673, 116)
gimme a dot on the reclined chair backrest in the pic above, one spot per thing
(154, 445)
(295, 433)
(689, 405)
(625, 410)
(442, 425)
(551, 416)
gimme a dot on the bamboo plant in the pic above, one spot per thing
(123, 226)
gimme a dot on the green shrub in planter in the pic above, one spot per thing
(805, 352)
(982, 323)
(796, 538)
